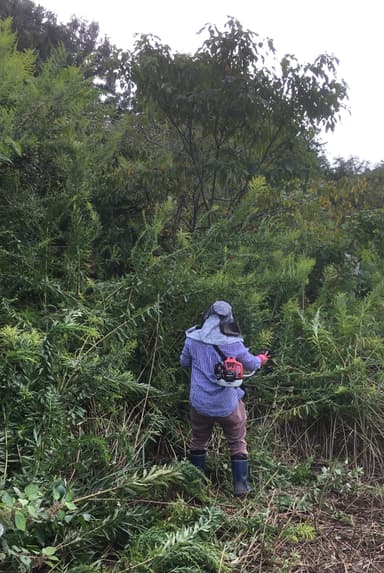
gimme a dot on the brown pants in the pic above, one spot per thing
(234, 428)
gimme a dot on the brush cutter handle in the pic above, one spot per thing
(249, 374)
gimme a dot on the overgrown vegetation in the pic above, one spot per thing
(125, 211)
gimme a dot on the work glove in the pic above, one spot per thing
(264, 357)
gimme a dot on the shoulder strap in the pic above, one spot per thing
(219, 352)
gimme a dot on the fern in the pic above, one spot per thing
(190, 548)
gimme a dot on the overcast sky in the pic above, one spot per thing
(352, 30)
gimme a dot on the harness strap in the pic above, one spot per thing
(220, 352)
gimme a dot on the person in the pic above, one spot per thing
(212, 403)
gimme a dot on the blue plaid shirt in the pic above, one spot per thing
(206, 396)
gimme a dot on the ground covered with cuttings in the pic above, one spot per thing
(336, 526)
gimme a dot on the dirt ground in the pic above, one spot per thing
(343, 534)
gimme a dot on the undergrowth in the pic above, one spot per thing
(94, 434)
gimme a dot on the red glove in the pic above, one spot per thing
(264, 358)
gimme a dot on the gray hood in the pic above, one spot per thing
(211, 332)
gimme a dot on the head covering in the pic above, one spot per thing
(219, 326)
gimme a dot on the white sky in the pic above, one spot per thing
(352, 30)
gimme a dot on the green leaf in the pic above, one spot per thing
(20, 521)
(26, 560)
(49, 550)
(32, 511)
(70, 505)
(59, 491)
(32, 492)
(7, 499)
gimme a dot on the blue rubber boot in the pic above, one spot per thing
(197, 458)
(239, 465)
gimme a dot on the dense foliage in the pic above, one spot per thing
(135, 189)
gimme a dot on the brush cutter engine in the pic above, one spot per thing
(229, 372)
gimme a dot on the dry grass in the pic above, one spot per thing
(343, 534)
